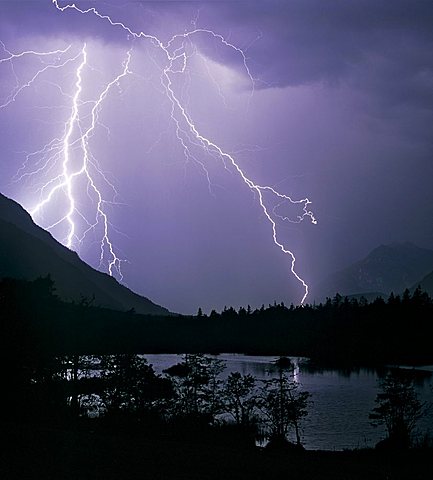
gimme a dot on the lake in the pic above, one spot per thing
(341, 400)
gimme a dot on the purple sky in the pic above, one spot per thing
(342, 113)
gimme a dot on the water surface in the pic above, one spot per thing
(341, 400)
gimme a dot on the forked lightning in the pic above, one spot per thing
(187, 133)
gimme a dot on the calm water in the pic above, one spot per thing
(341, 401)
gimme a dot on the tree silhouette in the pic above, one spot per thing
(398, 408)
(131, 384)
(240, 399)
(283, 404)
(197, 386)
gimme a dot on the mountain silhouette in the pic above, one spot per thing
(386, 269)
(426, 284)
(28, 252)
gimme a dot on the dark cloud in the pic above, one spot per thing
(382, 47)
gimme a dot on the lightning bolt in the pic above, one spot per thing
(13, 56)
(66, 178)
(186, 130)
(62, 148)
(184, 134)
(114, 262)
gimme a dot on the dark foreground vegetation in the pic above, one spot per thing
(75, 454)
(113, 417)
(340, 331)
(79, 402)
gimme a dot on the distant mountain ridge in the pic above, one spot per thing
(426, 284)
(28, 251)
(386, 269)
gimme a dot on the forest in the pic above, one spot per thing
(341, 331)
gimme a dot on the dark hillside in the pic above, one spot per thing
(28, 252)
